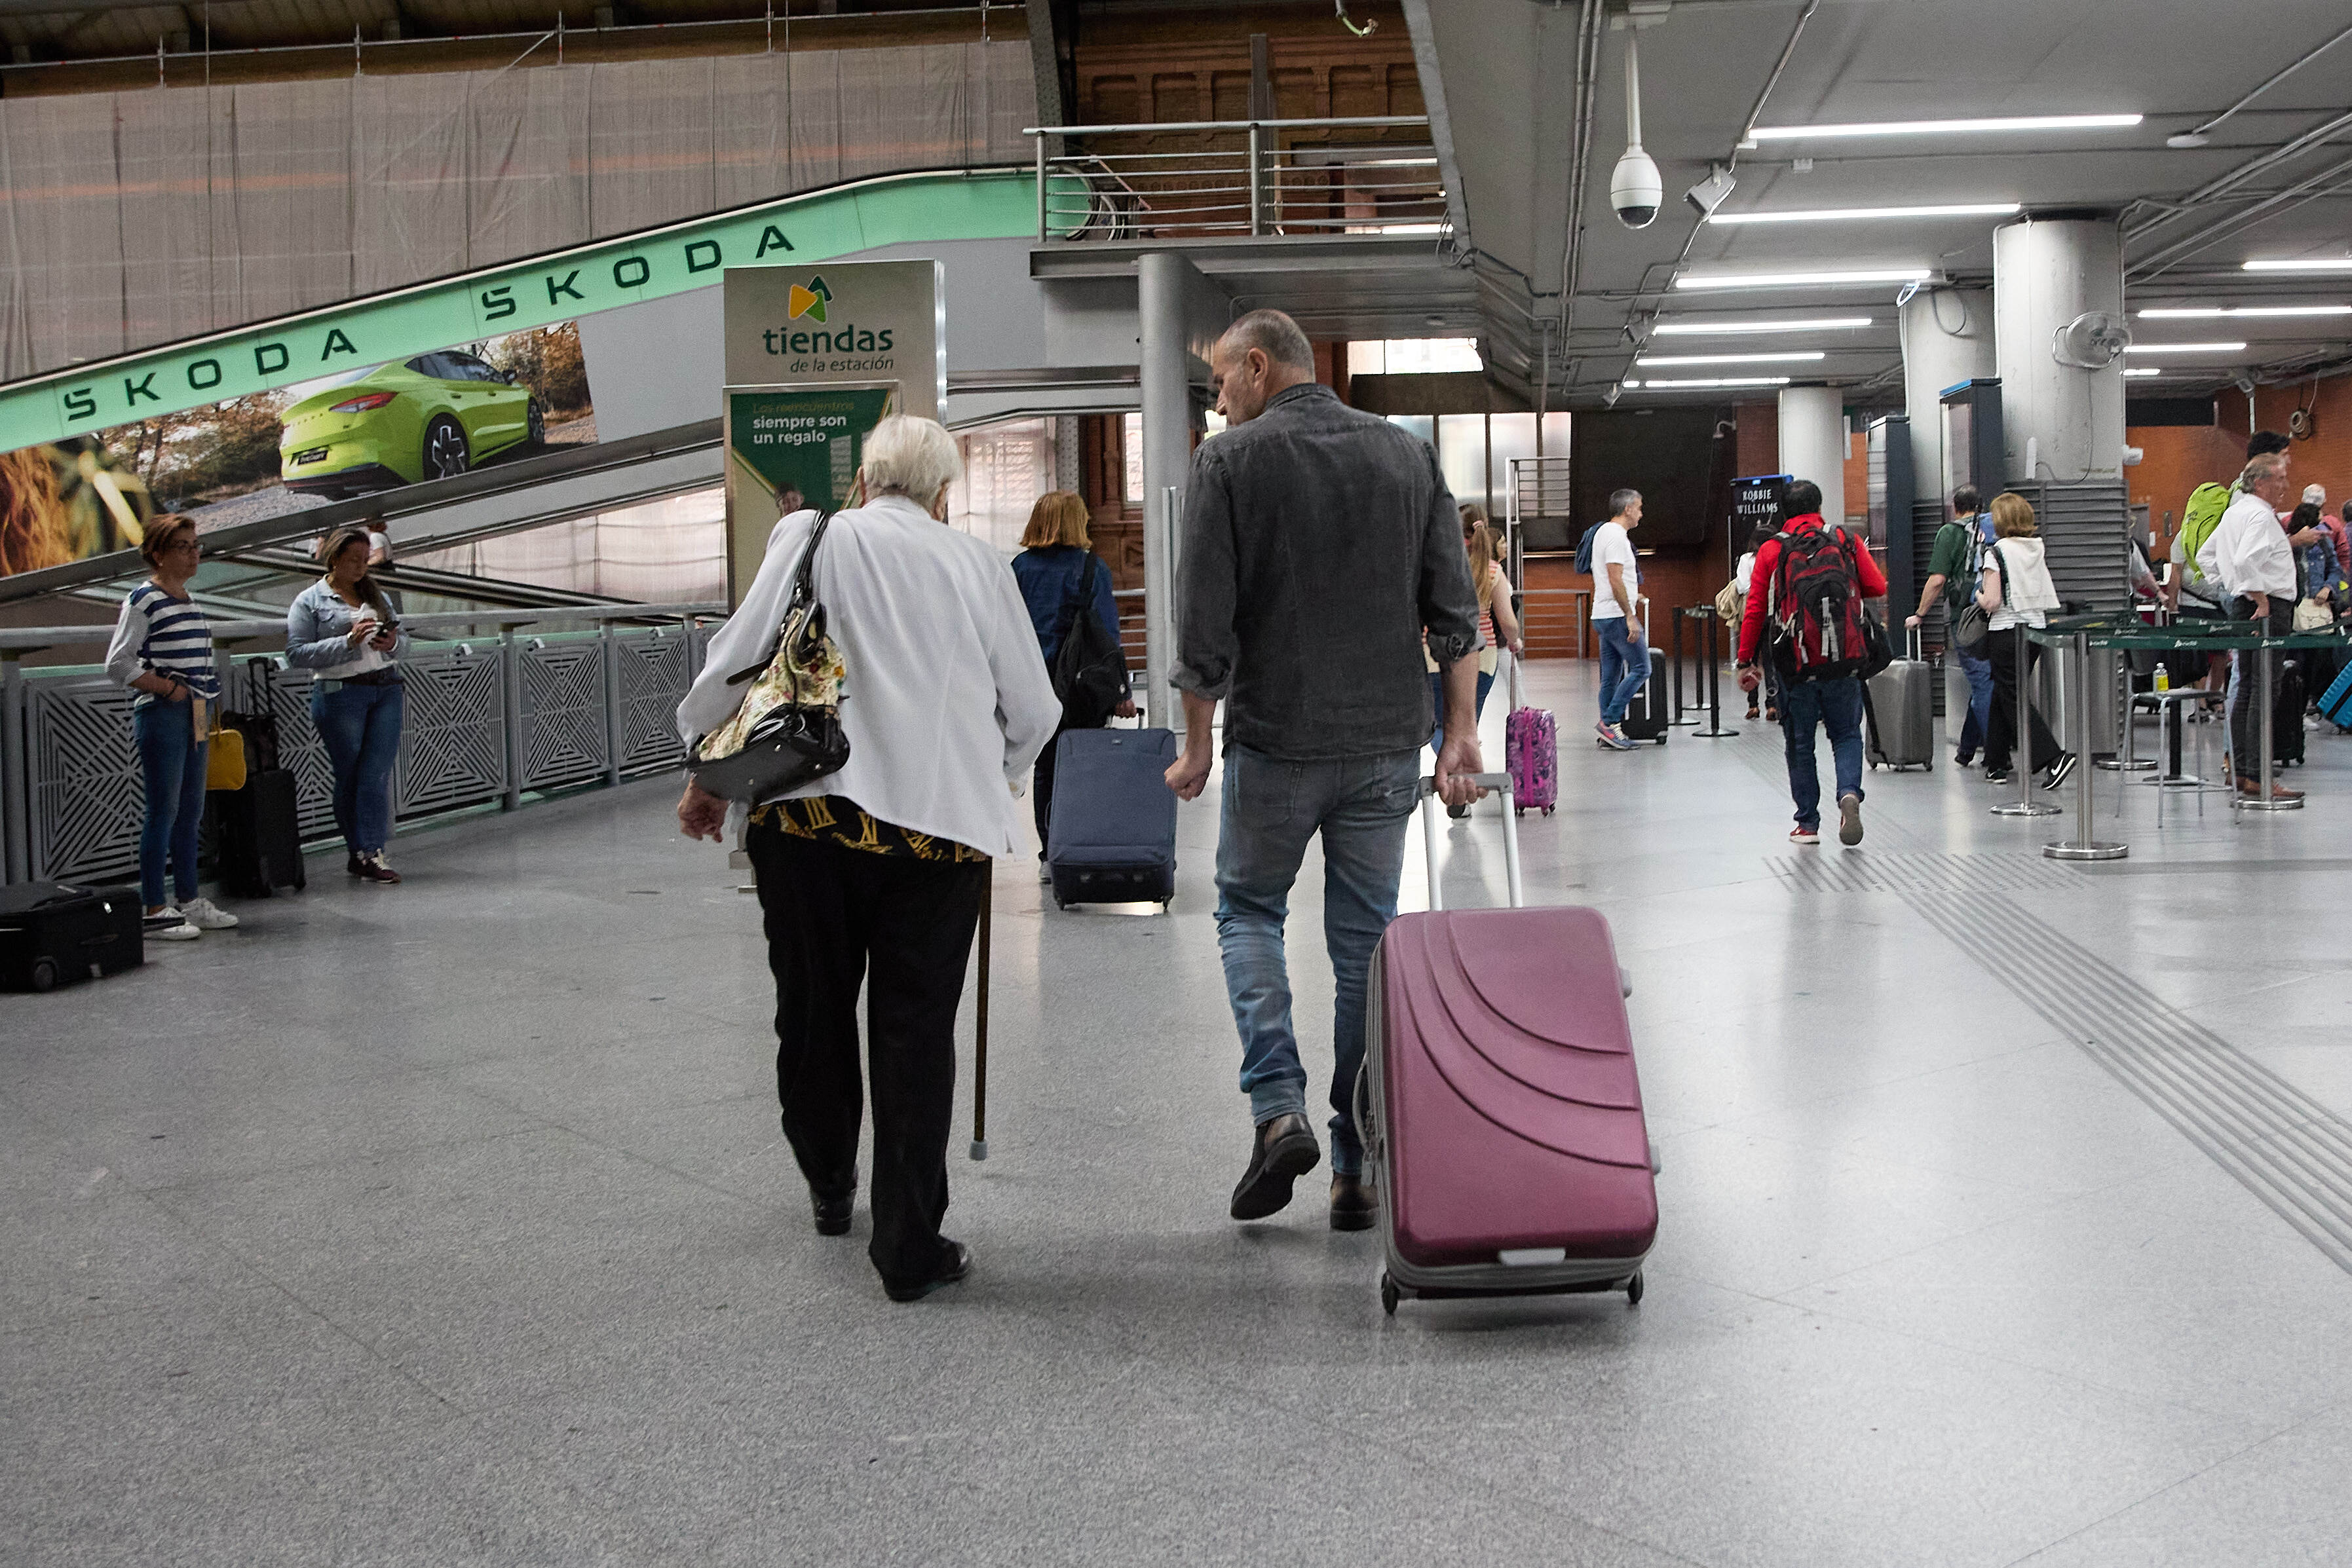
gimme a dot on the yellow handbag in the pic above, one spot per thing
(224, 757)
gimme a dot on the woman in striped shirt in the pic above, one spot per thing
(162, 650)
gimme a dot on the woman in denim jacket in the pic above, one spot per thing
(344, 632)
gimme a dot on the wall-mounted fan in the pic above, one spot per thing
(2091, 341)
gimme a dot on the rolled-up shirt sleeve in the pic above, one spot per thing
(1449, 604)
(1208, 589)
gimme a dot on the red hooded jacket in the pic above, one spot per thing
(1752, 626)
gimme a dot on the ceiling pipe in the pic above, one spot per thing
(2201, 134)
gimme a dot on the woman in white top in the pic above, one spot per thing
(877, 871)
(162, 650)
(343, 630)
(2015, 590)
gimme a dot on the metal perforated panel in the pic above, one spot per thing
(453, 744)
(563, 739)
(652, 670)
(87, 799)
(2087, 530)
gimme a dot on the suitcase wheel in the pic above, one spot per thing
(1388, 1294)
(1522, 810)
(1548, 811)
(1661, 740)
(1634, 1291)
(44, 977)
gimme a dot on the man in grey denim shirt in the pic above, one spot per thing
(1319, 542)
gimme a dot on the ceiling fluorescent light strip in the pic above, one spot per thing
(2185, 349)
(1950, 127)
(1839, 215)
(1805, 280)
(2208, 312)
(1713, 381)
(2342, 264)
(1708, 329)
(1805, 354)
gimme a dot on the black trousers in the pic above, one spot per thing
(837, 917)
(2246, 712)
(2042, 747)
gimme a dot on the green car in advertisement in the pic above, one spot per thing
(432, 417)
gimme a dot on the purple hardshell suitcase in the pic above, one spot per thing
(1530, 752)
(1499, 1102)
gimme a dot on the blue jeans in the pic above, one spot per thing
(1624, 665)
(361, 726)
(1837, 705)
(1978, 724)
(1437, 702)
(1271, 808)
(172, 765)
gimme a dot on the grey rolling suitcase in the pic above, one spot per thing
(1899, 703)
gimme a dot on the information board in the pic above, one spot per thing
(789, 447)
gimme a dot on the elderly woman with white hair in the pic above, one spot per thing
(876, 872)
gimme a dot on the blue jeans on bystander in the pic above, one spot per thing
(361, 726)
(1271, 807)
(172, 765)
(1624, 665)
(1836, 706)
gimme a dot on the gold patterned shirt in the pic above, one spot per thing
(844, 822)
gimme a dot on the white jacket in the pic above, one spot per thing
(2247, 552)
(946, 703)
(2028, 595)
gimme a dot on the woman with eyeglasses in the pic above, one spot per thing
(162, 650)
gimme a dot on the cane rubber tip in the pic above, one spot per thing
(980, 1149)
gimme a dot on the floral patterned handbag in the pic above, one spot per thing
(788, 730)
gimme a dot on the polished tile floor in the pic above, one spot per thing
(449, 1224)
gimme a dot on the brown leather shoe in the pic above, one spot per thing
(2278, 791)
(1282, 1150)
(1355, 1203)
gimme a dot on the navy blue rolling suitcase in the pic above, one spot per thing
(1114, 827)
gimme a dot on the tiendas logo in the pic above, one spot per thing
(811, 302)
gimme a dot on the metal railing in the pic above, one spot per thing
(1213, 178)
(492, 715)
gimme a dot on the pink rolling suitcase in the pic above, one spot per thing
(1532, 753)
(1499, 1102)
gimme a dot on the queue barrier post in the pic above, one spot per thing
(2082, 846)
(2020, 753)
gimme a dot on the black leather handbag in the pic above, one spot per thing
(787, 732)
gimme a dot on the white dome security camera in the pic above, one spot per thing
(1634, 189)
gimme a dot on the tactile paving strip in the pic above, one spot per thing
(1862, 872)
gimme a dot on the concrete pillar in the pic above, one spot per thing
(1947, 339)
(1162, 285)
(2045, 273)
(1812, 443)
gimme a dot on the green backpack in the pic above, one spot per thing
(2206, 505)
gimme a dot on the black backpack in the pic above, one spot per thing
(1089, 667)
(1820, 630)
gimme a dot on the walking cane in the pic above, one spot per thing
(980, 1053)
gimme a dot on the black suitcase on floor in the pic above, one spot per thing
(1114, 824)
(2286, 716)
(257, 835)
(52, 934)
(1645, 716)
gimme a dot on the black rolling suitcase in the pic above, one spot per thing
(1114, 825)
(257, 835)
(1645, 715)
(52, 934)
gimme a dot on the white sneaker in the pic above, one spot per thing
(167, 925)
(205, 915)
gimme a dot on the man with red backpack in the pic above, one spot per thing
(1805, 610)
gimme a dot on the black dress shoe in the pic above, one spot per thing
(955, 1262)
(1354, 1205)
(1282, 1150)
(832, 1213)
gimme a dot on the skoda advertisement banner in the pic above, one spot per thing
(440, 378)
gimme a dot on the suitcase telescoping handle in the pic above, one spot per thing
(1497, 781)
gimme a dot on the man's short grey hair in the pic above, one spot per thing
(2267, 467)
(911, 456)
(1621, 499)
(1274, 335)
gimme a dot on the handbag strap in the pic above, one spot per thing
(804, 593)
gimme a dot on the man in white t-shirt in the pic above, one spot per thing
(1617, 616)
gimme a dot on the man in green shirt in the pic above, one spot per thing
(1952, 572)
